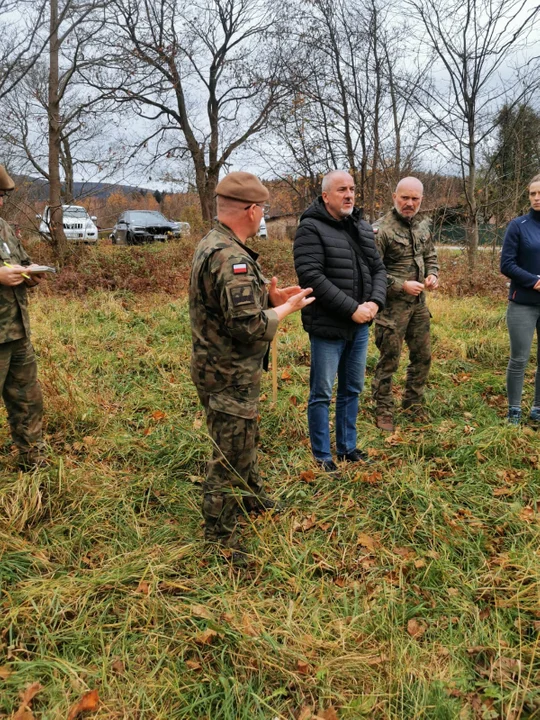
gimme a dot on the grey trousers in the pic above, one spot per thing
(522, 320)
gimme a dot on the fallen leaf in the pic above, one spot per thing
(527, 514)
(143, 587)
(367, 541)
(5, 672)
(420, 563)
(328, 714)
(89, 440)
(415, 628)
(293, 400)
(305, 524)
(206, 637)
(27, 695)
(285, 375)
(197, 424)
(306, 713)
(193, 664)
(88, 703)
(404, 552)
(303, 668)
(201, 611)
(247, 626)
(118, 667)
(498, 492)
(485, 613)
(371, 478)
(307, 476)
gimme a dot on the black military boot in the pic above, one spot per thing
(259, 504)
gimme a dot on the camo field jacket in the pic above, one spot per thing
(231, 323)
(14, 317)
(407, 250)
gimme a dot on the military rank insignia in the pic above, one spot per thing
(239, 268)
(242, 295)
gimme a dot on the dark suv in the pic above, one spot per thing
(139, 226)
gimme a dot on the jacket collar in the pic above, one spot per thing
(412, 223)
(222, 228)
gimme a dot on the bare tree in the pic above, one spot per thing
(23, 40)
(202, 72)
(347, 68)
(473, 42)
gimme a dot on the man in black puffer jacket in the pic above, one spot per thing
(335, 254)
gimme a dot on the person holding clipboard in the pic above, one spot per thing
(19, 385)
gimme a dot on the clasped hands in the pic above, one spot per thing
(365, 312)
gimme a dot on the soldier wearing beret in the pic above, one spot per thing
(18, 369)
(234, 314)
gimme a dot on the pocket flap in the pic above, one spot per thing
(222, 402)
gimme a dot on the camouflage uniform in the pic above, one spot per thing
(231, 328)
(18, 369)
(407, 250)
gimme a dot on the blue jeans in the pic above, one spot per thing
(347, 360)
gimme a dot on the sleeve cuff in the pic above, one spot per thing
(271, 328)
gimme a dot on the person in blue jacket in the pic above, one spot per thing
(520, 261)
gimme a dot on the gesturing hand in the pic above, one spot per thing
(294, 303)
(278, 296)
(537, 286)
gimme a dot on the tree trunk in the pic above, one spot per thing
(56, 225)
(67, 163)
(471, 228)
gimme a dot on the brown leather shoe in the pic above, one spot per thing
(385, 423)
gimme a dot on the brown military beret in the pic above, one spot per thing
(242, 186)
(6, 183)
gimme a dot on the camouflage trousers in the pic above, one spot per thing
(232, 473)
(22, 393)
(401, 321)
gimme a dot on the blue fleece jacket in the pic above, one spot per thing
(520, 258)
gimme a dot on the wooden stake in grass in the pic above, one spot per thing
(274, 369)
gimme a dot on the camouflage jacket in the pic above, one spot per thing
(14, 318)
(231, 324)
(407, 250)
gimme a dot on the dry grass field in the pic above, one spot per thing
(410, 589)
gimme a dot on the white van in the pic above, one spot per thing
(78, 225)
(262, 229)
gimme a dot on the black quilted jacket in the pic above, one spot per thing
(340, 277)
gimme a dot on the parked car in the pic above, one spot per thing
(262, 229)
(139, 226)
(181, 229)
(78, 225)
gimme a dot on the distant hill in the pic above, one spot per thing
(38, 188)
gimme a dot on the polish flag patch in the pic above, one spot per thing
(239, 268)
